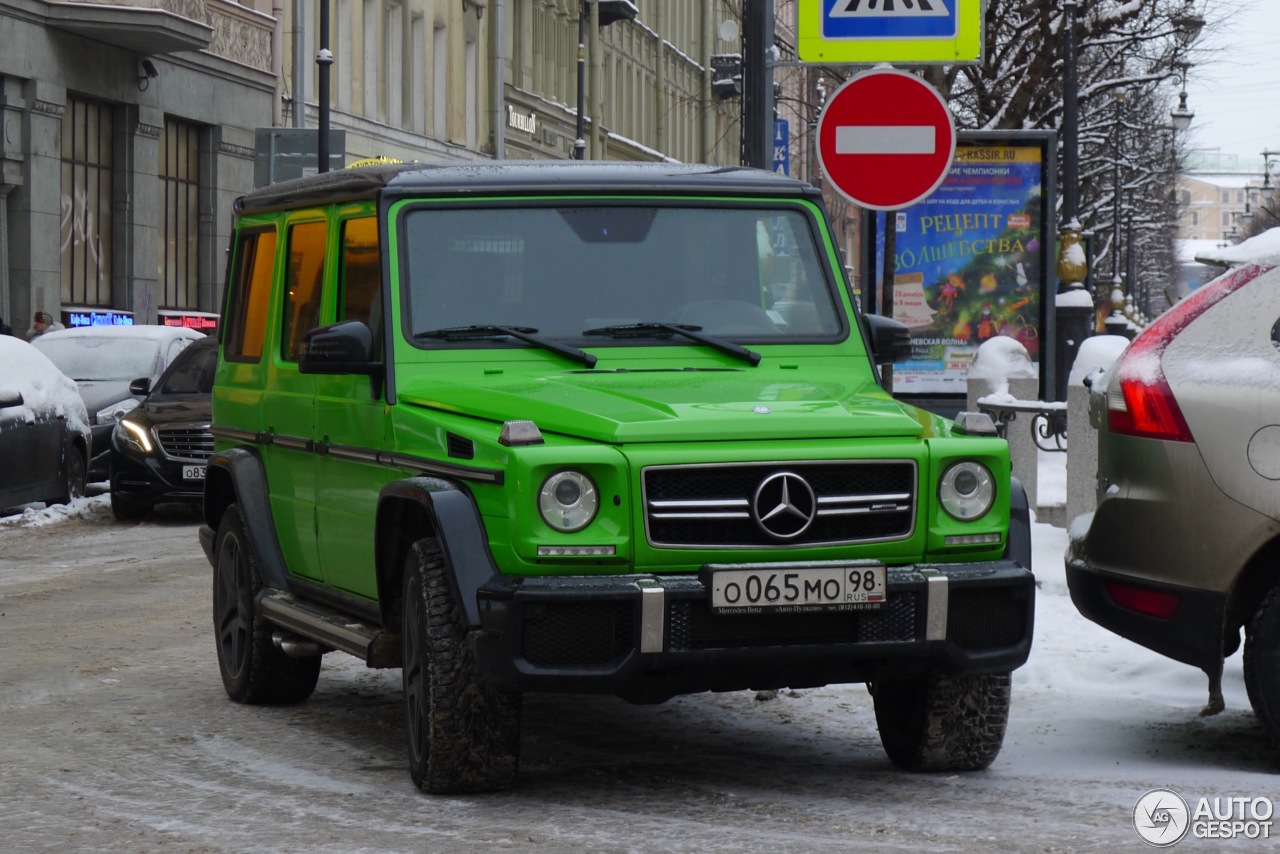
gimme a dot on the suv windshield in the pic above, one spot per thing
(747, 272)
(191, 373)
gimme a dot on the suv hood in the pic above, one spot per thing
(679, 405)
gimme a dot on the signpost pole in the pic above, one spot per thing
(757, 83)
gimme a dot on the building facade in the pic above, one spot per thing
(128, 132)
(1216, 195)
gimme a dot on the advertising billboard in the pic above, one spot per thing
(974, 260)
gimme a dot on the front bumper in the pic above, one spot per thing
(152, 480)
(650, 637)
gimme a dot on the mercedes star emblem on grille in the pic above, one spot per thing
(784, 505)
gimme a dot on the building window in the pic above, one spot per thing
(418, 78)
(1195, 218)
(179, 215)
(394, 34)
(87, 168)
(439, 81)
(1226, 217)
(470, 58)
(370, 64)
(1226, 197)
(342, 30)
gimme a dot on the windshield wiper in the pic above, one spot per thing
(522, 333)
(688, 330)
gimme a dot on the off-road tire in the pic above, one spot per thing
(1262, 663)
(462, 736)
(253, 669)
(74, 478)
(937, 722)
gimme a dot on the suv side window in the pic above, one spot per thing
(304, 277)
(361, 270)
(250, 296)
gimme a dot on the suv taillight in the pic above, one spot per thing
(1139, 399)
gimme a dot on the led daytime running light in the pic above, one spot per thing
(139, 433)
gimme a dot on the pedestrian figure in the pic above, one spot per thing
(41, 323)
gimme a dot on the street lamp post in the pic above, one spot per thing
(1073, 313)
(1266, 168)
(607, 12)
(580, 143)
(1116, 186)
(1070, 117)
(1181, 114)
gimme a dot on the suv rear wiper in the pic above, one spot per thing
(523, 333)
(688, 330)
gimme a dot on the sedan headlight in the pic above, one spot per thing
(116, 411)
(568, 501)
(134, 436)
(967, 490)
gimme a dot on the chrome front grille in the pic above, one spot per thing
(779, 504)
(186, 442)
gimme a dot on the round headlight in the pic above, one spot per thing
(568, 501)
(967, 490)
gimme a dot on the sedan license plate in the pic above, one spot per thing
(193, 472)
(797, 589)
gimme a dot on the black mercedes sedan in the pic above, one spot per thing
(159, 449)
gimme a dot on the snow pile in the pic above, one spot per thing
(1097, 353)
(1260, 249)
(46, 391)
(37, 515)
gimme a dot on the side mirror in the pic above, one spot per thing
(10, 397)
(339, 348)
(890, 340)
(141, 386)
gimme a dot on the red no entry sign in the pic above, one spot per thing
(886, 139)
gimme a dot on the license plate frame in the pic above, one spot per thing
(795, 588)
(193, 472)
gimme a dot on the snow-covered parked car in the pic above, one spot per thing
(44, 429)
(1181, 553)
(104, 360)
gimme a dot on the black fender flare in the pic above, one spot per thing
(424, 506)
(1018, 545)
(236, 475)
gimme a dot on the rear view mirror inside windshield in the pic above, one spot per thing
(610, 225)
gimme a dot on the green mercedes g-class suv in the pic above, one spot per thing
(592, 427)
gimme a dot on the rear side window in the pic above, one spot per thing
(304, 278)
(250, 297)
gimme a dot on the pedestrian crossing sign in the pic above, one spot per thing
(866, 32)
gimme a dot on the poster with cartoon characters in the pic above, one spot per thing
(971, 263)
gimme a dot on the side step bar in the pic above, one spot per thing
(372, 645)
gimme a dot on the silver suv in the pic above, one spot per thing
(1183, 550)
